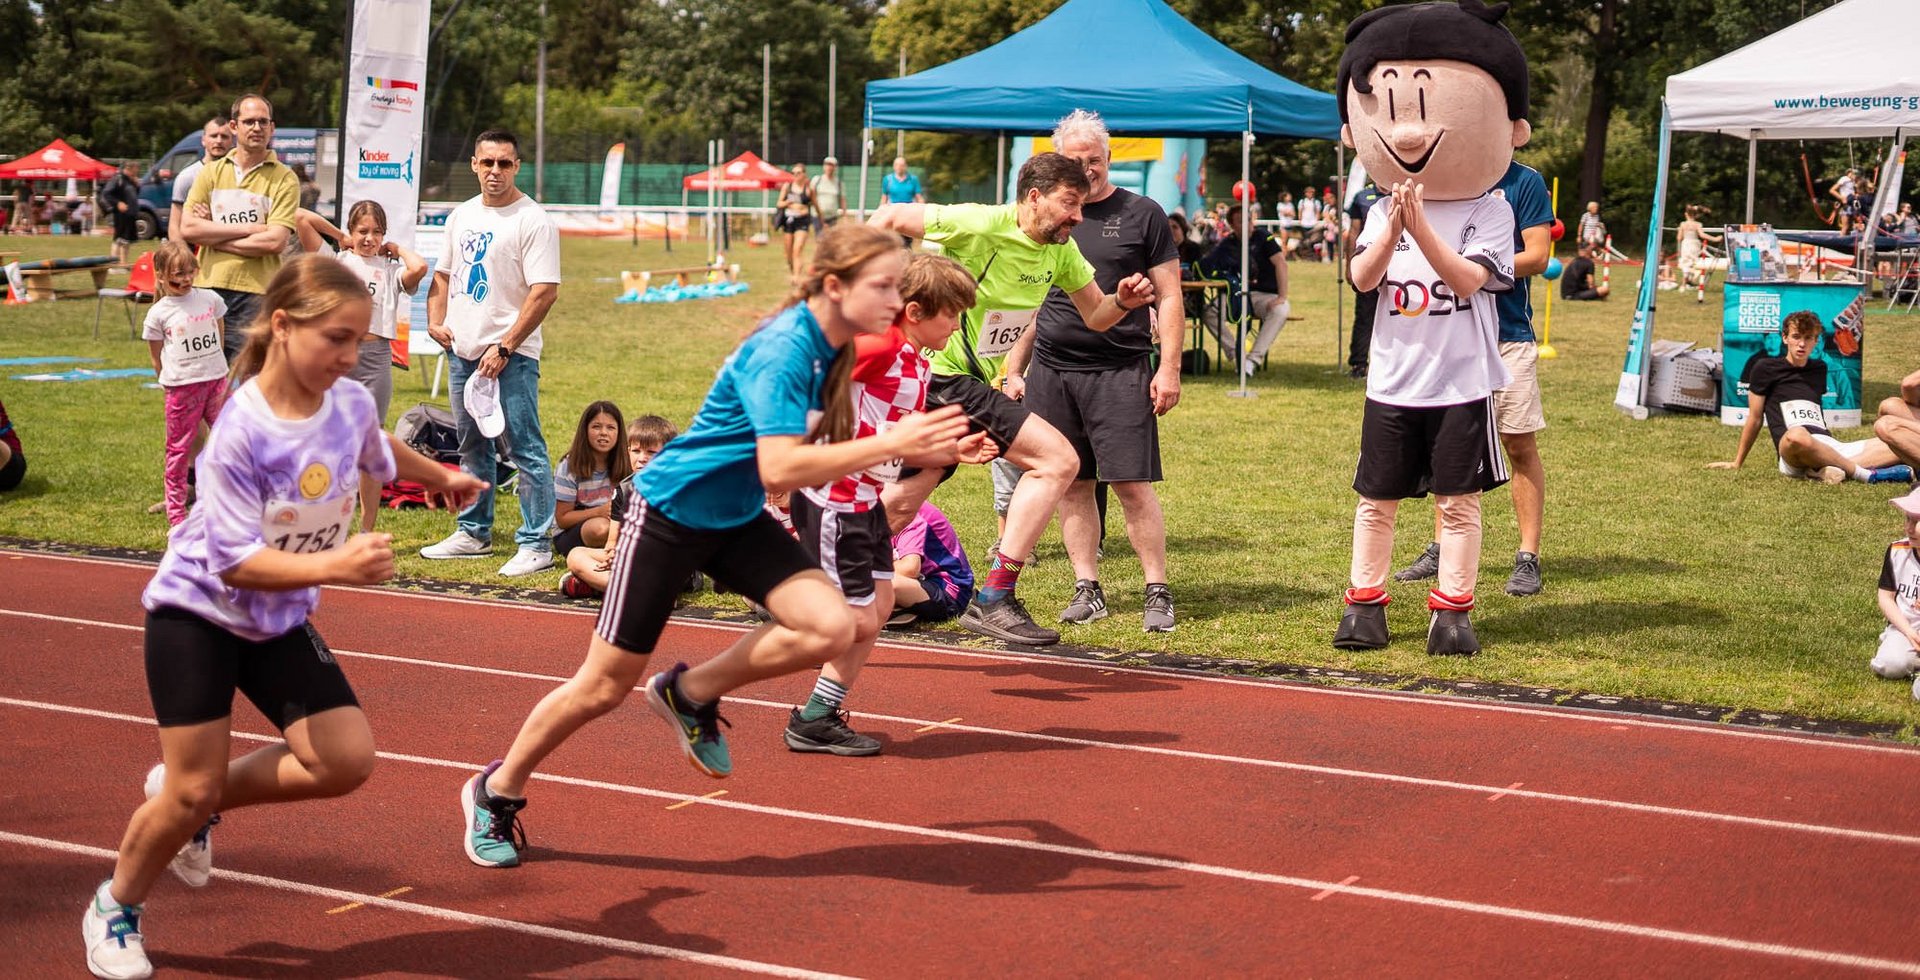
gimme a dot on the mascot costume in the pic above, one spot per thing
(1433, 99)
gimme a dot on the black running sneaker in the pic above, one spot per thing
(1006, 620)
(1089, 603)
(829, 734)
(1450, 634)
(1424, 567)
(1526, 574)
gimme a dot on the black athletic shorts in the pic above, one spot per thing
(655, 557)
(15, 471)
(853, 549)
(987, 410)
(569, 539)
(1452, 450)
(194, 666)
(1108, 416)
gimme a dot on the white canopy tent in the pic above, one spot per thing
(1806, 81)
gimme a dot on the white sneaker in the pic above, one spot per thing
(459, 544)
(115, 948)
(194, 863)
(526, 561)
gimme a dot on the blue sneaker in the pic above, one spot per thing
(696, 729)
(1897, 473)
(493, 837)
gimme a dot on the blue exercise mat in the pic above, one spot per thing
(10, 361)
(674, 294)
(82, 374)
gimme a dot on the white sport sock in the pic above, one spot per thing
(1861, 473)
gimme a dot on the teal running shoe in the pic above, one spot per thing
(492, 836)
(696, 729)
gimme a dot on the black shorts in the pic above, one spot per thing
(194, 666)
(1108, 416)
(939, 606)
(15, 471)
(569, 539)
(126, 225)
(1001, 417)
(1452, 450)
(655, 557)
(853, 549)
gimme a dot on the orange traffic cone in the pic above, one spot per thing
(13, 299)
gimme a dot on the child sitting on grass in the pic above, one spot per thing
(1785, 391)
(932, 580)
(1899, 653)
(585, 478)
(588, 567)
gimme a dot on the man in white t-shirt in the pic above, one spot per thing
(216, 138)
(486, 305)
(827, 192)
(1433, 97)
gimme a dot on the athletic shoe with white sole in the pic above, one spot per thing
(459, 544)
(1424, 567)
(829, 734)
(526, 561)
(115, 948)
(194, 863)
(697, 730)
(1006, 620)
(1158, 617)
(492, 835)
(1089, 603)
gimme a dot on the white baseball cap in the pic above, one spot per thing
(483, 403)
(1909, 504)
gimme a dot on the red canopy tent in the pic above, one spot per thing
(746, 172)
(56, 161)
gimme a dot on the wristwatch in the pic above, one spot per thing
(504, 350)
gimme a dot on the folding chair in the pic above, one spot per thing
(141, 287)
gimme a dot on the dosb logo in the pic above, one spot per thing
(1411, 298)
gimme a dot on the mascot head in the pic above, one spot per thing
(1434, 93)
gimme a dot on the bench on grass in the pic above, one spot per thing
(686, 275)
(41, 281)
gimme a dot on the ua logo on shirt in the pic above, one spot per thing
(473, 251)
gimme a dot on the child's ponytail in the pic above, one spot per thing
(842, 251)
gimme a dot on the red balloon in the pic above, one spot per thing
(1243, 190)
(1559, 229)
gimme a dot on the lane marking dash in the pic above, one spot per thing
(350, 906)
(1336, 889)
(693, 799)
(1504, 792)
(935, 725)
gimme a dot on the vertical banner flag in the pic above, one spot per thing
(610, 180)
(380, 141)
(1631, 394)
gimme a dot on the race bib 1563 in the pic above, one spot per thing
(1804, 413)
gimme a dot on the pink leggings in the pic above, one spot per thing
(187, 406)
(1459, 544)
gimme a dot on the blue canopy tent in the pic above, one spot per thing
(1136, 62)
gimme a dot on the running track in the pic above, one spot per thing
(1030, 816)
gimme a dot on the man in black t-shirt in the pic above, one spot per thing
(1267, 291)
(1103, 390)
(1785, 392)
(1364, 301)
(1577, 282)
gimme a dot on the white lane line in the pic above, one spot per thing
(608, 943)
(1555, 713)
(1493, 792)
(1809, 954)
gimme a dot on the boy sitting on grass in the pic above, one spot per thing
(1899, 653)
(1786, 392)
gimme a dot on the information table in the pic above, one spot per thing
(1750, 328)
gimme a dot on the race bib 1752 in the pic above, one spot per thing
(307, 528)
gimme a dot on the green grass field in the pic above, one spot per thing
(1664, 580)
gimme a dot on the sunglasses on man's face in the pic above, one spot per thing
(488, 164)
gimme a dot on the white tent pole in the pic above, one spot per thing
(866, 150)
(1000, 170)
(833, 92)
(766, 115)
(1246, 247)
(1753, 159)
(713, 177)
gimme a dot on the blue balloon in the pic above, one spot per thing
(1553, 269)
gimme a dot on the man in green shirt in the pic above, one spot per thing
(240, 213)
(1016, 252)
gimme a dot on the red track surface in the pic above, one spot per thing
(1066, 819)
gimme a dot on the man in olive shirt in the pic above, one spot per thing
(240, 213)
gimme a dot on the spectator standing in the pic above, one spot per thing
(901, 187)
(486, 306)
(1593, 231)
(1365, 301)
(240, 212)
(1102, 390)
(796, 210)
(309, 191)
(1308, 211)
(1843, 191)
(829, 199)
(122, 198)
(216, 139)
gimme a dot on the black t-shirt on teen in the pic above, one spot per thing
(1120, 235)
(1792, 393)
(1578, 278)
